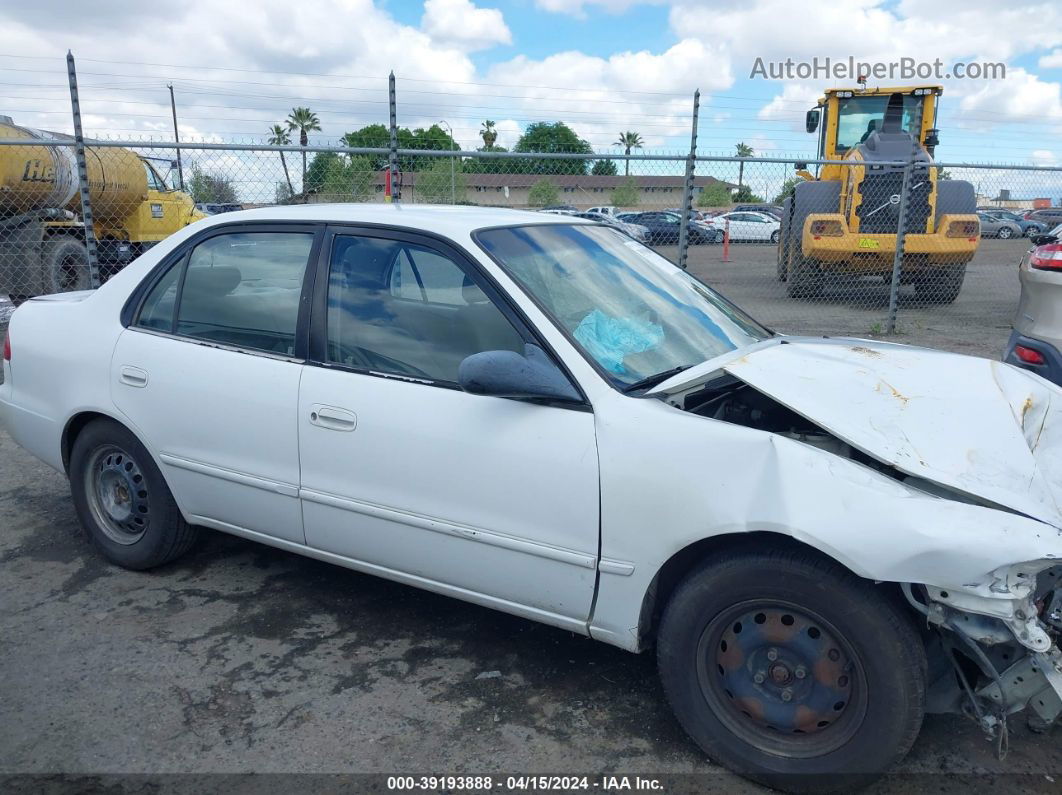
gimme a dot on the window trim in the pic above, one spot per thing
(178, 258)
(318, 326)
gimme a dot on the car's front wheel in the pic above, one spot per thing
(123, 501)
(792, 671)
(1004, 233)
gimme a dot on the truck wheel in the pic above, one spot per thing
(805, 278)
(122, 500)
(67, 264)
(790, 670)
(943, 286)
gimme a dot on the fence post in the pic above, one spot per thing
(897, 257)
(82, 175)
(687, 190)
(396, 185)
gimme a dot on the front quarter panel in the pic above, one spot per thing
(669, 479)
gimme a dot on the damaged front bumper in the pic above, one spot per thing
(996, 650)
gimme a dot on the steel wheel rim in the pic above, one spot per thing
(752, 653)
(117, 495)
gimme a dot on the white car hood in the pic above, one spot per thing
(982, 427)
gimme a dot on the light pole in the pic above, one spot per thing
(453, 188)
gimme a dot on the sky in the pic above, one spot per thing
(601, 66)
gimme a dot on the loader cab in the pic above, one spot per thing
(846, 118)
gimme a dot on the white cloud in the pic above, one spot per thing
(577, 8)
(462, 24)
(1021, 97)
(1052, 60)
(1044, 157)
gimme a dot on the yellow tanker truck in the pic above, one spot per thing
(42, 235)
(843, 221)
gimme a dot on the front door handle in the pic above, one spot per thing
(332, 418)
(133, 376)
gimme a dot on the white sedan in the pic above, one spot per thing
(748, 226)
(822, 538)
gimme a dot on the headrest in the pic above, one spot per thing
(215, 281)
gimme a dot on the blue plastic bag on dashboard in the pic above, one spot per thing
(608, 339)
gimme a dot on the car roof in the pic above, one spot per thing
(447, 220)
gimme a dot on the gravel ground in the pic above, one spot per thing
(240, 658)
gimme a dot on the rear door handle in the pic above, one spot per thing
(133, 376)
(332, 418)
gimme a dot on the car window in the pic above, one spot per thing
(404, 309)
(243, 289)
(157, 311)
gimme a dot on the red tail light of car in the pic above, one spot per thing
(1028, 355)
(7, 347)
(1047, 258)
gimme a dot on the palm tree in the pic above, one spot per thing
(629, 140)
(305, 121)
(743, 150)
(489, 134)
(280, 136)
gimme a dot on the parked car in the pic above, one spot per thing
(605, 209)
(1028, 228)
(214, 208)
(569, 208)
(635, 231)
(664, 228)
(748, 226)
(536, 414)
(770, 209)
(1048, 216)
(1036, 342)
(995, 226)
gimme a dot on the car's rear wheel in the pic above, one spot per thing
(1004, 233)
(789, 670)
(123, 501)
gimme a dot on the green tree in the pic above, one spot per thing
(542, 194)
(743, 150)
(629, 140)
(787, 189)
(378, 136)
(434, 184)
(279, 135)
(549, 138)
(604, 168)
(211, 188)
(336, 178)
(717, 194)
(489, 133)
(627, 194)
(943, 173)
(305, 121)
(282, 193)
(745, 195)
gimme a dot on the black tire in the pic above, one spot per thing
(775, 235)
(66, 261)
(1004, 233)
(804, 278)
(829, 610)
(123, 501)
(942, 286)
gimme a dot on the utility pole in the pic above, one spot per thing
(173, 108)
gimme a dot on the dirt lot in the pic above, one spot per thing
(242, 659)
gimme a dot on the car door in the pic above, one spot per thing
(738, 224)
(207, 374)
(490, 499)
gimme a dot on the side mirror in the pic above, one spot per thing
(1043, 240)
(932, 139)
(508, 374)
(811, 120)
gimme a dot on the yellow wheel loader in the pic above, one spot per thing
(843, 221)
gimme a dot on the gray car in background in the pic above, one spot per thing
(996, 226)
(1036, 342)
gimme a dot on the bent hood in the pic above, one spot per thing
(982, 427)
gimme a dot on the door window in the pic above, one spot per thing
(239, 289)
(404, 309)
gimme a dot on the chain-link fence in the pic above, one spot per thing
(927, 251)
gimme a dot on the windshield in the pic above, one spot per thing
(860, 116)
(627, 308)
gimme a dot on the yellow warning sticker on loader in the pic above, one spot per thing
(868, 242)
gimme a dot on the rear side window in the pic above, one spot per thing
(239, 289)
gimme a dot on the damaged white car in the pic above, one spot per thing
(823, 539)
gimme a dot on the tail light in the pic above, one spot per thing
(7, 347)
(827, 229)
(963, 229)
(1028, 355)
(1047, 258)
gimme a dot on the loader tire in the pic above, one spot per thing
(942, 286)
(805, 278)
